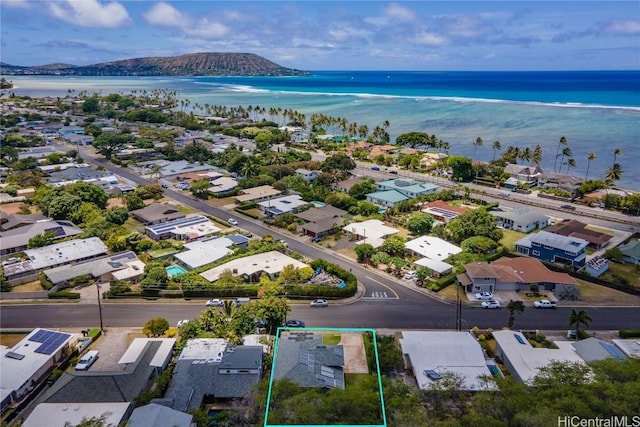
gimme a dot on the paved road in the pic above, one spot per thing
(417, 313)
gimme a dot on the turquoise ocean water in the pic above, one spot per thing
(596, 110)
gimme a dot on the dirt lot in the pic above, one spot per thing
(355, 358)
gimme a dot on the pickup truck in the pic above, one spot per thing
(543, 303)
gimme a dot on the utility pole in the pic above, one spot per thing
(99, 305)
(458, 309)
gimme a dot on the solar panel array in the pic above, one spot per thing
(49, 341)
(613, 350)
(57, 231)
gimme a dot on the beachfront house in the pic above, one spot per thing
(552, 247)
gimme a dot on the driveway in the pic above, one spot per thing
(111, 345)
(355, 357)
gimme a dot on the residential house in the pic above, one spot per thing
(521, 219)
(191, 227)
(35, 152)
(384, 150)
(64, 253)
(252, 267)
(25, 365)
(322, 221)
(211, 369)
(178, 167)
(387, 198)
(433, 251)
(430, 160)
(514, 274)
(596, 266)
(82, 173)
(552, 247)
(77, 139)
(630, 347)
(574, 228)
(203, 252)
(120, 266)
(631, 251)
(346, 184)
(16, 230)
(157, 213)
(73, 414)
(598, 195)
(522, 174)
(408, 187)
(592, 349)
(524, 361)
(560, 181)
(144, 360)
(442, 211)
(256, 194)
(430, 355)
(282, 205)
(154, 415)
(372, 231)
(303, 358)
(308, 175)
(222, 185)
(69, 130)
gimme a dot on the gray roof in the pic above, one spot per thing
(521, 215)
(83, 173)
(237, 239)
(302, 358)
(154, 415)
(317, 214)
(105, 386)
(95, 267)
(18, 237)
(17, 220)
(195, 378)
(565, 243)
(594, 349)
(158, 212)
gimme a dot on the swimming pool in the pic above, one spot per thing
(175, 270)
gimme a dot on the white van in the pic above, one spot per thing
(87, 360)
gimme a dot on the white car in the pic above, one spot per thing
(319, 303)
(87, 360)
(484, 296)
(182, 322)
(410, 275)
(216, 302)
(232, 221)
(490, 304)
(544, 303)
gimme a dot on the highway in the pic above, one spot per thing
(386, 303)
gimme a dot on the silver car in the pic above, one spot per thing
(319, 303)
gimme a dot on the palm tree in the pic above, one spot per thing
(563, 141)
(590, 156)
(571, 163)
(536, 157)
(614, 174)
(525, 154)
(577, 318)
(616, 153)
(566, 152)
(514, 307)
(476, 144)
(229, 308)
(496, 147)
(250, 167)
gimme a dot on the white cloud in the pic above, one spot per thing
(90, 13)
(630, 27)
(165, 15)
(208, 29)
(18, 4)
(430, 39)
(399, 13)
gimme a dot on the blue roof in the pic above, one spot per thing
(393, 196)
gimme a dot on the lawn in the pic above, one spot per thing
(158, 253)
(222, 202)
(592, 293)
(509, 238)
(449, 292)
(331, 339)
(34, 286)
(618, 273)
(132, 225)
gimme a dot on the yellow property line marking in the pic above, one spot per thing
(382, 284)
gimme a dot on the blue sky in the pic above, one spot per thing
(325, 35)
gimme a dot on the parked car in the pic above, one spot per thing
(216, 302)
(375, 168)
(87, 360)
(568, 207)
(319, 303)
(182, 322)
(165, 186)
(410, 274)
(490, 304)
(317, 239)
(232, 221)
(292, 323)
(242, 301)
(544, 303)
(484, 296)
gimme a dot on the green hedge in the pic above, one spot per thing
(629, 333)
(64, 294)
(237, 291)
(249, 214)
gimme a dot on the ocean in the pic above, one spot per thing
(597, 111)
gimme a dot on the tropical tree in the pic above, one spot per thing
(579, 318)
(200, 188)
(566, 152)
(477, 143)
(364, 252)
(536, 157)
(497, 146)
(590, 156)
(571, 163)
(514, 307)
(616, 153)
(155, 327)
(563, 141)
(613, 174)
(251, 167)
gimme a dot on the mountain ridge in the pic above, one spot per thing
(192, 64)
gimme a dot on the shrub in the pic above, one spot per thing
(629, 333)
(64, 294)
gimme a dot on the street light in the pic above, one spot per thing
(99, 305)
